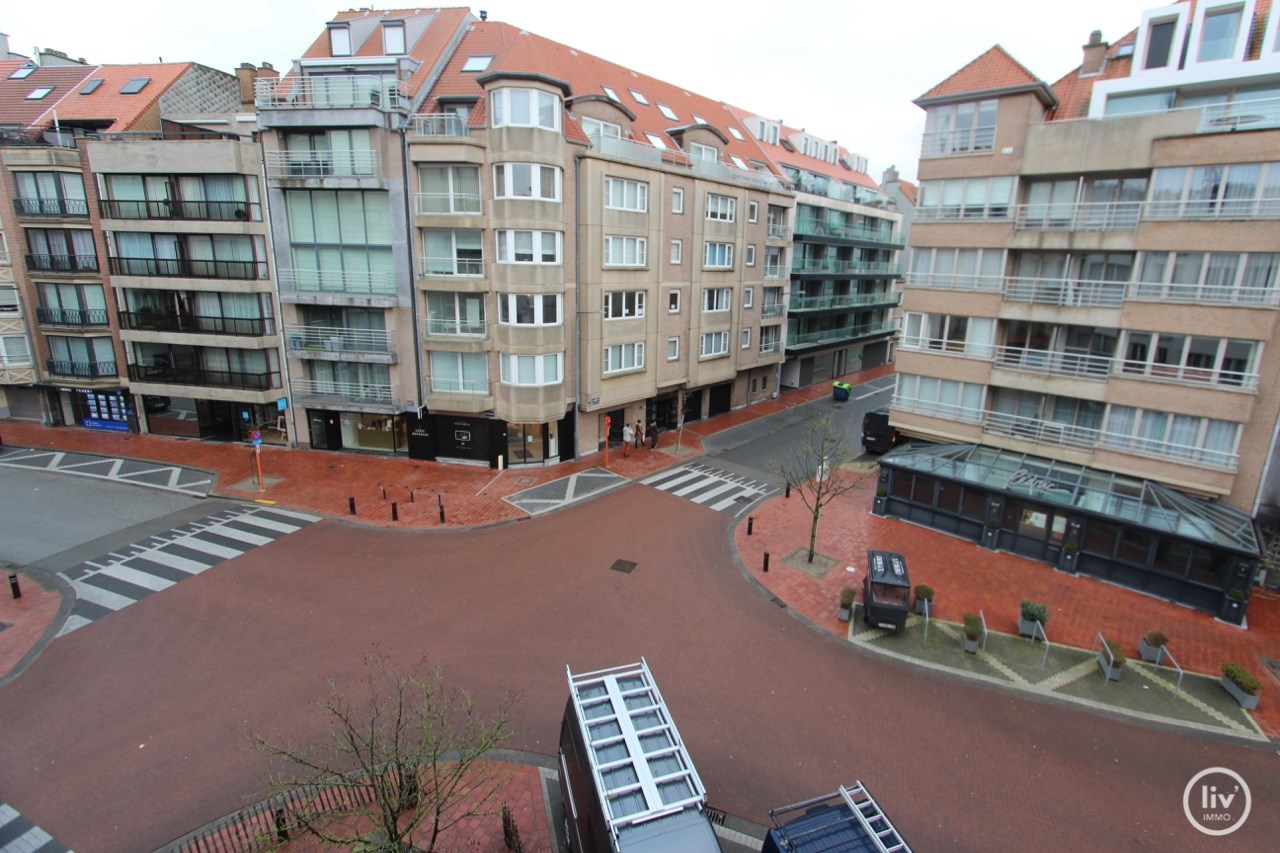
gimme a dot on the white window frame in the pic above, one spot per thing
(596, 127)
(624, 251)
(673, 302)
(1205, 9)
(656, 141)
(615, 358)
(707, 153)
(624, 194)
(1176, 13)
(668, 112)
(753, 211)
(721, 208)
(716, 299)
(722, 253)
(677, 200)
(623, 304)
(677, 252)
(507, 309)
(750, 259)
(340, 46)
(719, 345)
(748, 297)
(504, 180)
(500, 107)
(746, 339)
(673, 349)
(389, 27)
(477, 63)
(509, 375)
(506, 246)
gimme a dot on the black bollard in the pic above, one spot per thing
(384, 491)
(788, 494)
(751, 523)
(442, 513)
(766, 561)
(282, 829)
(351, 505)
(13, 585)
(410, 491)
(395, 512)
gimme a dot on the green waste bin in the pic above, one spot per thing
(840, 390)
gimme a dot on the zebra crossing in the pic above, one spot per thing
(19, 835)
(711, 487)
(119, 578)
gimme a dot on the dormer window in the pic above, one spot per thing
(393, 38)
(1159, 44)
(340, 40)
(1220, 32)
(1160, 38)
(525, 108)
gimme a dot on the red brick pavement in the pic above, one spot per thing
(23, 621)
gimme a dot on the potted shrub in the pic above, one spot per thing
(924, 593)
(990, 532)
(1242, 686)
(1116, 660)
(881, 501)
(1151, 647)
(972, 632)
(1031, 613)
(847, 596)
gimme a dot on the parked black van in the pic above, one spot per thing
(877, 435)
(885, 590)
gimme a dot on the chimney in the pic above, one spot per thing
(484, 16)
(1095, 54)
(890, 176)
(245, 73)
(266, 72)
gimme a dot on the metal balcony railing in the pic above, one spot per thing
(1224, 380)
(336, 339)
(212, 211)
(777, 270)
(354, 283)
(459, 386)
(773, 309)
(848, 300)
(768, 347)
(1261, 114)
(809, 266)
(81, 369)
(1085, 216)
(1201, 294)
(16, 360)
(1066, 292)
(448, 203)
(62, 263)
(347, 392)
(958, 143)
(324, 92)
(950, 411)
(192, 324)
(950, 281)
(438, 124)
(170, 375)
(323, 164)
(451, 266)
(454, 327)
(989, 211)
(1211, 209)
(778, 231)
(814, 227)
(51, 207)
(71, 316)
(188, 268)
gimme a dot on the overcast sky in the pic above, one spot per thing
(841, 69)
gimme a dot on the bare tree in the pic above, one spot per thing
(682, 394)
(818, 469)
(399, 769)
(1270, 558)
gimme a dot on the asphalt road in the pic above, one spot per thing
(129, 732)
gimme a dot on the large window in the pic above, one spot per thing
(621, 194)
(50, 194)
(972, 336)
(526, 108)
(64, 250)
(459, 372)
(965, 198)
(529, 309)
(961, 269)
(619, 357)
(619, 304)
(452, 252)
(1207, 440)
(967, 128)
(345, 232)
(717, 299)
(526, 180)
(532, 369)
(528, 247)
(721, 207)
(714, 344)
(321, 153)
(1219, 32)
(1191, 358)
(1159, 43)
(946, 398)
(455, 314)
(1241, 190)
(14, 351)
(624, 251)
(718, 256)
(449, 189)
(1216, 277)
(72, 304)
(594, 127)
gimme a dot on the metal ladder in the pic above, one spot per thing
(878, 827)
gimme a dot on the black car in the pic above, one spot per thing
(877, 435)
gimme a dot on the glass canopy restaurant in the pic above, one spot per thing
(1125, 530)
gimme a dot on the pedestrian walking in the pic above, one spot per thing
(639, 434)
(653, 435)
(628, 436)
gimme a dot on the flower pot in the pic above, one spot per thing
(1150, 654)
(970, 646)
(1114, 675)
(1248, 701)
(1027, 627)
(920, 607)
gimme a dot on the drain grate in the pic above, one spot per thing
(524, 481)
(779, 602)
(624, 566)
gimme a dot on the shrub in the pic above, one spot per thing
(1117, 653)
(1242, 679)
(1156, 639)
(1072, 547)
(1034, 612)
(924, 592)
(847, 596)
(972, 626)
(992, 524)
(1235, 594)
(882, 492)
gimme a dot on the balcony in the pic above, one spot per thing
(459, 386)
(202, 377)
(461, 267)
(1262, 114)
(450, 327)
(447, 203)
(848, 300)
(204, 211)
(188, 268)
(829, 266)
(773, 309)
(1066, 292)
(438, 124)
(993, 211)
(958, 143)
(284, 165)
(1212, 209)
(1086, 216)
(358, 393)
(300, 339)
(81, 369)
(37, 207)
(71, 316)
(152, 321)
(778, 231)
(336, 282)
(326, 92)
(826, 336)
(625, 149)
(777, 270)
(63, 263)
(770, 347)
(814, 227)
(950, 281)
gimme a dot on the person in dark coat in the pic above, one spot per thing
(652, 433)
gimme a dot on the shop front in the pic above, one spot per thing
(1132, 532)
(479, 439)
(108, 410)
(331, 429)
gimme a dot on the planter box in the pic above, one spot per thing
(970, 646)
(879, 505)
(1150, 654)
(1245, 700)
(920, 607)
(1027, 627)
(1115, 670)
(842, 614)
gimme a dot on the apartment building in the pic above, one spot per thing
(845, 240)
(1087, 357)
(144, 286)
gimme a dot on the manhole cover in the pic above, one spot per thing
(744, 499)
(624, 566)
(524, 481)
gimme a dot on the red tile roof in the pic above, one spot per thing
(910, 190)
(14, 106)
(1074, 91)
(993, 70)
(130, 112)
(780, 156)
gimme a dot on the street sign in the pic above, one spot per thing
(256, 436)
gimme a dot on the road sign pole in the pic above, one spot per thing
(257, 456)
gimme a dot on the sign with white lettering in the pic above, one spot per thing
(1024, 478)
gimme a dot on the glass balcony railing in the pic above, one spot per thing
(329, 91)
(451, 266)
(830, 266)
(848, 300)
(459, 386)
(959, 142)
(359, 393)
(438, 124)
(814, 227)
(448, 203)
(353, 163)
(454, 327)
(349, 282)
(846, 333)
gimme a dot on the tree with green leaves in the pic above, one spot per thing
(400, 768)
(818, 469)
